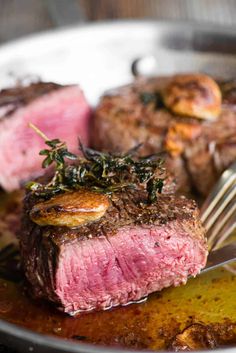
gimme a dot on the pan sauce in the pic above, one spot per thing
(208, 299)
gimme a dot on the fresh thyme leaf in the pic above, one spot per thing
(69, 155)
(147, 97)
(47, 162)
(154, 186)
(53, 143)
(57, 154)
(32, 185)
(151, 97)
(98, 171)
(44, 152)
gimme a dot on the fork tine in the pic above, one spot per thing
(223, 227)
(225, 181)
(225, 232)
(230, 268)
(221, 206)
(218, 213)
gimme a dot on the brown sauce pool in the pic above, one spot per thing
(208, 299)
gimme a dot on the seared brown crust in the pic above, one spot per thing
(196, 147)
(70, 209)
(178, 134)
(122, 120)
(126, 209)
(13, 98)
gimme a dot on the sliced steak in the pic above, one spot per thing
(60, 111)
(133, 250)
(137, 114)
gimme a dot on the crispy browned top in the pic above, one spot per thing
(134, 122)
(126, 209)
(136, 114)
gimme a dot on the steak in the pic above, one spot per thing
(54, 109)
(133, 250)
(138, 113)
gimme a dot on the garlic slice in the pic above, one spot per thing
(193, 95)
(70, 209)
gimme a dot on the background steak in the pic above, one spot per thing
(60, 111)
(136, 114)
(133, 250)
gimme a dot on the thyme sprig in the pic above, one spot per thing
(56, 154)
(98, 171)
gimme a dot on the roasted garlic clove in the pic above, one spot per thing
(71, 209)
(178, 134)
(194, 95)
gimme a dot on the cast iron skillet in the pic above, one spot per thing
(99, 56)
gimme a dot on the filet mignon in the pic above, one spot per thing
(54, 109)
(177, 114)
(133, 250)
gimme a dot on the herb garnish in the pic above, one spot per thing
(98, 171)
(151, 97)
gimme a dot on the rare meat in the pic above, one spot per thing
(190, 116)
(125, 251)
(57, 110)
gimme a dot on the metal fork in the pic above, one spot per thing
(218, 213)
